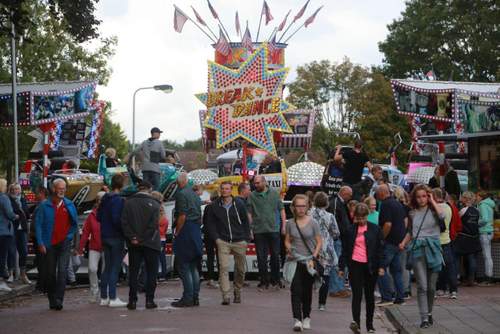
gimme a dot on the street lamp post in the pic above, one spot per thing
(164, 88)
(14, 97)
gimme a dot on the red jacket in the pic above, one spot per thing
(92, 231)
(456, 221)
(163, 226)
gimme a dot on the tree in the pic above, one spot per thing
(329, 87)
(378, 120)
(77, 16)
(457, 39)
(112, 134)
(48, 52)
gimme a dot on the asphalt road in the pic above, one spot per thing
(260, 312)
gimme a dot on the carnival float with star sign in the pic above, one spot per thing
(246, 116)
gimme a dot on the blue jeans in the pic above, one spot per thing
(153, 178)
(471, 265)
(56, 262)
(448, 275)
(113, 256)
(336, 282)
(190, 280)
(392, 261)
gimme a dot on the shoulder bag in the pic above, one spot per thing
(410, 259)
(320, 270)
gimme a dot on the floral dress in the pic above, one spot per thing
(329, 231)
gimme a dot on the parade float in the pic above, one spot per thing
(67, 122)
(459, 122)
(246, 120)
(456, 121)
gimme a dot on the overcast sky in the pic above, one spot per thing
(150, 52)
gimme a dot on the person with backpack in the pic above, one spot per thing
(153, 153)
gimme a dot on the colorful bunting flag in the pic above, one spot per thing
(179, 19)
(222, 45)
(312, 17)
(214, 13)
(282, 24)
(246, 41)
(237, 23)
(198, 17)
(267, 12)
(301, 12)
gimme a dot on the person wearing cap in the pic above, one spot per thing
(139, 220)
(153, 153)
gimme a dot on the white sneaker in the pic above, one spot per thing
(453, 295)
(104, 302)
(322, 307)
(117, 303)
(306, 323)
(297, 325)
(4, 287)
(10, 279)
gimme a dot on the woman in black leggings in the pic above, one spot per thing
(362, 253)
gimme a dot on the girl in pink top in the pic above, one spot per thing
(362, 253)
(359, 251)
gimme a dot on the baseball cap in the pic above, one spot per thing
(156, 130)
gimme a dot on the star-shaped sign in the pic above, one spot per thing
(246, 103)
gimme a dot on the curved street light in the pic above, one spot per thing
(164, 88)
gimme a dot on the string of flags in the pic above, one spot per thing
(222, 42)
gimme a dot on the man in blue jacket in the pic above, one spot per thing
(56, 223)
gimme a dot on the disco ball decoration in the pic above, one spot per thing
(202, 176)
(308, 174)
(421, 175)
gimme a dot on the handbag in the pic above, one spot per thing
(409, 255)
(320, 270)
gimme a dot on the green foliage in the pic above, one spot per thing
(458, 39)
(77, 16)
(193, 145)
(49, 50)
(378, 121)
(112, 135)
(332, 87)
(368, 102)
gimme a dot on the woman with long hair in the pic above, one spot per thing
(329, 233)
(303, 245)
(20, 242)
(7, 216)
(91, 235)
(363, 254)
(425, 248)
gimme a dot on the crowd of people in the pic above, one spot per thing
(349, 244)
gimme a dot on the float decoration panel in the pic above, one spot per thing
(433, 104)
(246, 103)
(23, 110)
(47, 102)
(48, 107)
(239, 54)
